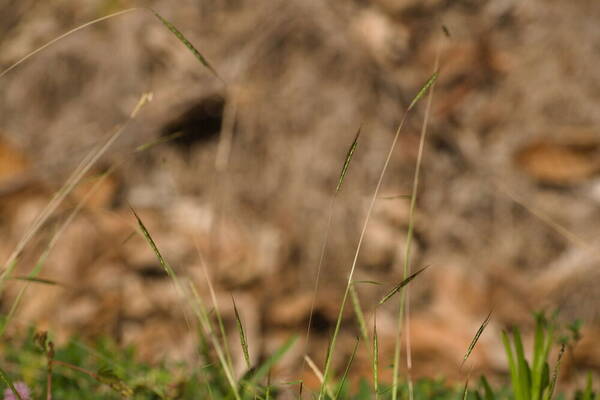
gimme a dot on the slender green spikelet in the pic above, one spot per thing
(242, 333)
(349, 155)
(423, 90)
(476, 338)
(168, 269)
(399, 286)
(187, 44)
(36, 280)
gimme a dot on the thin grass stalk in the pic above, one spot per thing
(64, 35)
(213, 297)
(341, 178)
(547, 219)
(323, 251)
(361, 239)
(411, 393)
(407, 253)
(375, 359)
(311, 364)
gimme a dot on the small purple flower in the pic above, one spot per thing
(22, 389)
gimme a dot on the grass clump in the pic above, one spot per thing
(106, 371)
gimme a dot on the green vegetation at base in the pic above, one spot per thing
(107, 371)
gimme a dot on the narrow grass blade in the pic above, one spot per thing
(512, 365)
(37, 280)
(524, 373)
(360, 316)
(446, 31)
(349, 155)
(476, 338)
(487, 389)
(543, 339)
(268, 390)
(397, 196)
(187, 44)
(465, 392)
(368, 282)
(243, 341)
(266, 366)
(4, 377)
(588, 392)
(375, 366)
(345, 376)
(165, 139)
(424, 89)
(399, 286)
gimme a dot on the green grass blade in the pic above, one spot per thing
(345, 376)
(524, 374)
(399, 286)
(349, 155)
(367, 282)
(476, 338)
(487, 389)
(375, 359)
(512, 365)
(588, 393)
(360, 316)
(36, 280)
(539, 356)
(242, 333)
(266, 366)
(4, 377)
(465, 392)
(187, 44)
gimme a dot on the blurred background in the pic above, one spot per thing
(243, 173)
